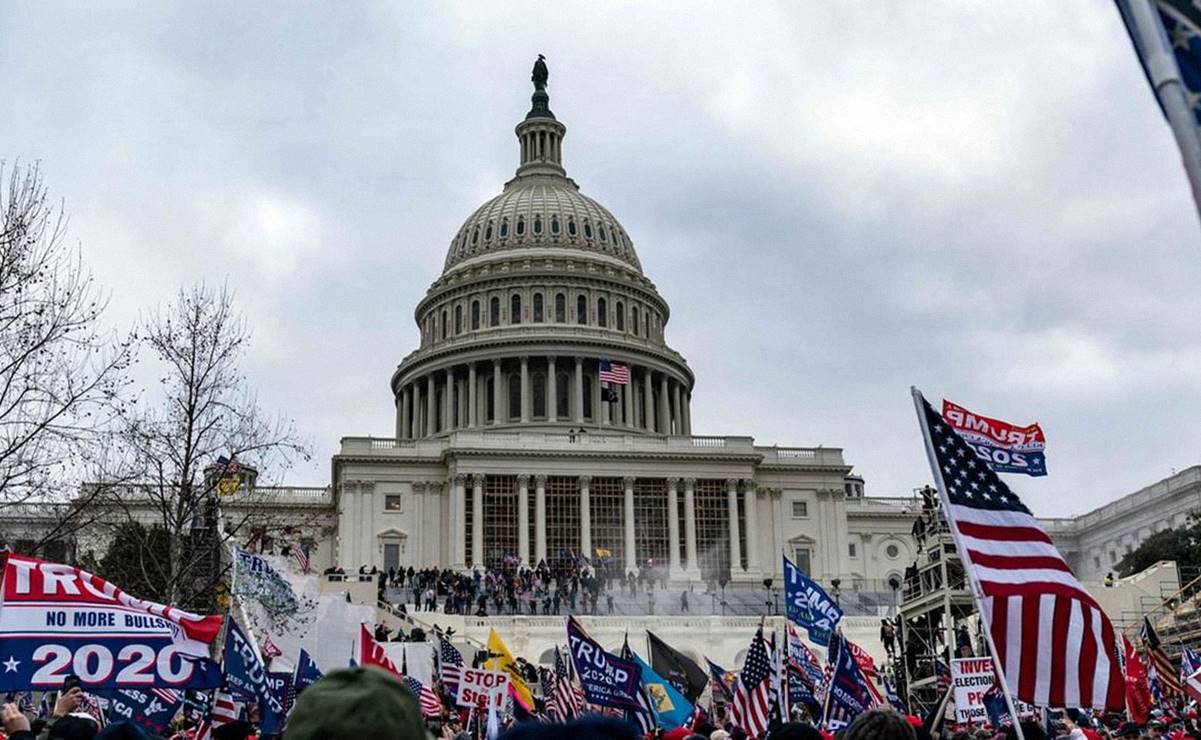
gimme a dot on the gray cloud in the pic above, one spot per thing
(838, 201)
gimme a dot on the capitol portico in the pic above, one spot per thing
(513, 445)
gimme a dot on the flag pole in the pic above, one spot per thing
(1164, 75)
(977, 592)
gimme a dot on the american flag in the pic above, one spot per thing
(300, 553)
(614, 372)
(450, 665)
(168, 696)
(225, 710)
(1054, 643)
(644, 716)
(430, 706)
(943, 671)
(751, 707)
(1190, 673)
(90, 705)
(1169, 681)
(563, 702)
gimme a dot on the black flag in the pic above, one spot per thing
(683, 672)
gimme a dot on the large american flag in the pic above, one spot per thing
(1054, 643)
(614, 372)
(431, 707)
(751, 707)
(300, 553)
(564, 701)
(1169, 680)
(450, 665)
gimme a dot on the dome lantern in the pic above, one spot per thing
(540, 135)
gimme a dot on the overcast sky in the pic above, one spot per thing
(838, 200)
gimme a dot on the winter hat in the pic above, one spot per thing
(353, 704)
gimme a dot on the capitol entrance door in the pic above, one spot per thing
(391, 556)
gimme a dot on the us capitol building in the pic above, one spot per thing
(510, 443)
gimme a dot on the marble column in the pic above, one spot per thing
(458, 522)
(523, 519)
(552, 391)
(578, 393)
(648, 400)
(431, 408)
(677, 409)
(692, 566)
(673, 527)
(735, 545)
(525, 390)
(416, 543)
(367, 525)
(496, 395)
(472, 410)
(627, 400)
(448, 411)
(417, 430)
(628, 524)
(402, 414)
(752, 527)
(599, 407)
(585, 514)
(664, 406)
(686, 411)
(477, 520)
(540, 518)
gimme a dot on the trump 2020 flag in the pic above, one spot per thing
(1008, 448)
(307, 673)
(608, 680)
(808, 605)
(56, 620)
(150, 709)
(247, 679)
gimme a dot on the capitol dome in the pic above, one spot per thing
(542, 318)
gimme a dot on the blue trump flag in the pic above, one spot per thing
(608, 680)
(672, 710)
(245, 677)
(307, 673)
(808, 605)
(848, 695)
(150, 709)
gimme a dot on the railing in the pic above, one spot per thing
(556, 330)
(599, 439)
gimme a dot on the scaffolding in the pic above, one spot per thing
(937, 616)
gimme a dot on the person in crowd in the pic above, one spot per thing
(353, 704)
(888, 638)
(880, 724)
(684, 602)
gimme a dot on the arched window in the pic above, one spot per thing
(562, 396)
(537, 224)
(504, 228)
(560, 308)
(520, 225)
(587, 396)
(581, 309)
(488, 232)
(475, 315)
(459, 319)
(602, 318)
(601, 231)
(554, 224)
(538, 308)
(571, 227)
(620, 315)
(514, 396)
(588, 229)
(538, 388)
(444, 323)
(494, 312)
(646, 324)
(515, 309)
(475, 236)
(634, 321)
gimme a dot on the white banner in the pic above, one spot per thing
(476, 684)
(971, 678)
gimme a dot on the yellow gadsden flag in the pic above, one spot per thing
(504, 662)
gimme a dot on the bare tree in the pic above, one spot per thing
(202, 423)
(61, 375)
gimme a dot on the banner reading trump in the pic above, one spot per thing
(56, 621)
(607, 679)
(808, 605)
(1006, 447)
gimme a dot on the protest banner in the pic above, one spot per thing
(56, 620)
(479, 686)
(971, 679)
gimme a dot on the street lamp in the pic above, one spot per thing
(772, 597)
